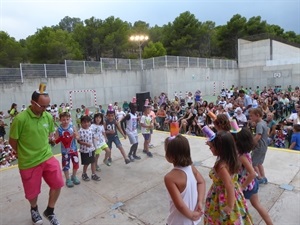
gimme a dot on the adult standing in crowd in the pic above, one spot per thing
(29, 136)
(247, 102)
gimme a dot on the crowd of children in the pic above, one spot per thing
(236, 174)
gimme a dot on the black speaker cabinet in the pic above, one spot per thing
(140, 100)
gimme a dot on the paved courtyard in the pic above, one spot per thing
(135, 194)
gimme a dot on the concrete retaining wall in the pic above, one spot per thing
(118, 86)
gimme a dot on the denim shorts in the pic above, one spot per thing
(254, 190)
(114, 139)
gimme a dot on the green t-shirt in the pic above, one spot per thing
(31, 133)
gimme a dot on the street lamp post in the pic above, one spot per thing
(139, 39)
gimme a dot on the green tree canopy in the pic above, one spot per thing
(154, 50)
(11, 51)
(52, 46)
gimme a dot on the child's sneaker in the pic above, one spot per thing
(131, 158)
(262, 180)
(136, 157)
(127, 161)
(69, 183)
(107, 162)
(85, 177)
(75, 180)
(36, 217)
(149, 154)
(52, 219)
(96, 177)
(98, 168)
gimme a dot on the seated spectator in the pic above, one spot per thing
(160, 116)
(279, 135)
(295, 141)
(201, 117)
(193, 129)
(240, 117)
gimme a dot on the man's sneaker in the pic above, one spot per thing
(52, 219)
(131, 158)
(69, 183)
(136, 157)
(107, 162)
(85, 177)
(98, 168)
(144, 151)
(149, 154)
(151, 146)
(96, 177)
(75, 180)
(127, 161)
(36, 217)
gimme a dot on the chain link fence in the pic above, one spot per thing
(97, 67)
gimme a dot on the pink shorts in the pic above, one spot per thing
(32, 177)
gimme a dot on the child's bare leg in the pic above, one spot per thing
(93, 167)
(146, 145)
(122, 152)
(96, 158)
(107, 154)
(84, 168)
(67, 175)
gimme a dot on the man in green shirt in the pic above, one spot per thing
(29, 137)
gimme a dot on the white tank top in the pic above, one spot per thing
(190, 198)
(131, 124)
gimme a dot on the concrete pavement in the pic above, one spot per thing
(135, 194)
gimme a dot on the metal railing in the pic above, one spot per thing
(97, 67)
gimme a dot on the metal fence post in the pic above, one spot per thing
(101, 65)
(177, 63)
(153, 63)
(166, 61)
(116, 62)
(206, 62)
(21, 73)
(129, 63)
(197, 62)
(188, 61)
(84, 69)
(45, 69)
(66, 68)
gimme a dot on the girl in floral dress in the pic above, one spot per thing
(225, 202)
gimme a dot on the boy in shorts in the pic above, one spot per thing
(87, 149)
(146, 126)
(260, 143)
(111, 126)
(67, 134)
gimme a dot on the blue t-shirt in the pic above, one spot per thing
(296, 138)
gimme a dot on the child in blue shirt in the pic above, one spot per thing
(295, 142)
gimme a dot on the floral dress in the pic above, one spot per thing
(216, 201)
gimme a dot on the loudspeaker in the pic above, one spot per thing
(140, 100)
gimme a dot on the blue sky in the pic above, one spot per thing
(21, 18)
